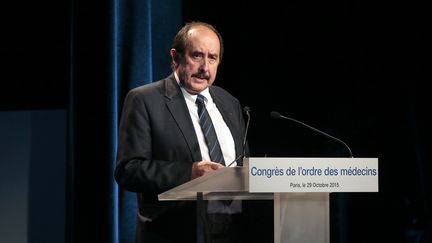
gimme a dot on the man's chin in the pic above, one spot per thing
(200, 88)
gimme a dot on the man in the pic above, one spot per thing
(161, 142)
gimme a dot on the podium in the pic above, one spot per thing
(299, 216)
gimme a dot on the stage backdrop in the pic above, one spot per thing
(115, 46)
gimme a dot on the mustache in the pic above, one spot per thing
(203, 75)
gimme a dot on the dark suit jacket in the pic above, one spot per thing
(158, 144)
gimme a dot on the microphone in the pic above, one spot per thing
(239, 159)
(277, 115)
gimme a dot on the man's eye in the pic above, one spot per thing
(197, 55)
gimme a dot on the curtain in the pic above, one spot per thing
(146, 29)
(115, 46)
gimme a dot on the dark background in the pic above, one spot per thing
(35, 54)
(357, 70)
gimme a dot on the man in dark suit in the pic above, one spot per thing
(161, 144)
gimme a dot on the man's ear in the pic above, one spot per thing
(174, 55)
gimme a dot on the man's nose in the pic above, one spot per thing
(204, 63)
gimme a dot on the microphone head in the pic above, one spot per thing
(275, 115)
(246, 109)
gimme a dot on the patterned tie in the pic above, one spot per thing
(209, 131)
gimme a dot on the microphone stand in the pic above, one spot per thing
(239, 159)
(277, 115)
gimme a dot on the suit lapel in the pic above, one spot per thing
(177, 106)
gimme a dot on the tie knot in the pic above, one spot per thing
(200, 99)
